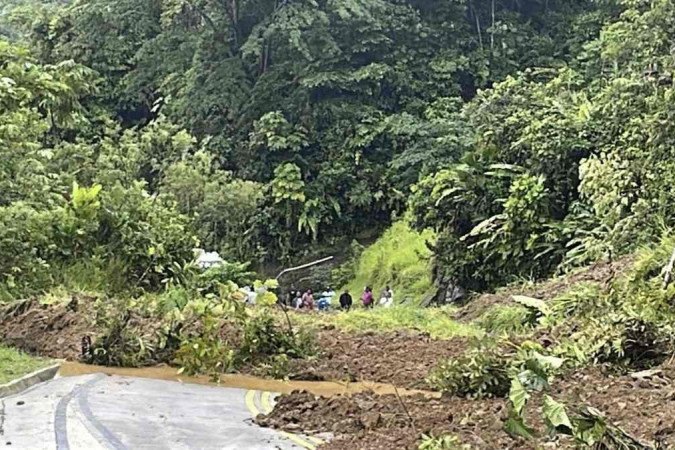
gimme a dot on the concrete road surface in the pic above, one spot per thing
(97, 411)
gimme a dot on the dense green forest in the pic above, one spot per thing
(530, 135)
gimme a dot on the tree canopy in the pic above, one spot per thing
(533, 134)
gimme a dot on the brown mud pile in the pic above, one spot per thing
(400, 358)
(382, 422)
(600, 273)
(55, 331)
(642, 404)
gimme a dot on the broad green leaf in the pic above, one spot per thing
(552, 362)
(555, 415)
(515, 426)
(518, 395)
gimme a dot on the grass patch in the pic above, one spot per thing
(506, 319)
(399, 258)
(438, 322)
(15, 364)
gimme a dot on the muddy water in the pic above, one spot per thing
(323, 388)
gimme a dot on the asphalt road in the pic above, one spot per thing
(98, 411)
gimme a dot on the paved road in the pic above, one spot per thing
(97, 411)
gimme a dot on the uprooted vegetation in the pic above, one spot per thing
(211, 334)
(623, 325)
(589, 366)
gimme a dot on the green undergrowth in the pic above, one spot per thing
(623, 324)
(15, 364)
(400, 259)
(205, 328)
(506, 319)
(438, 322)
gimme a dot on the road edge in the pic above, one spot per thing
(20, 384)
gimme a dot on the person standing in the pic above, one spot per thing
(325, 299)
(308, 300)
(367, 297)
(290, 298)
(387, 299)
(346, 300)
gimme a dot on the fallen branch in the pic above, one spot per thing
(405, 409)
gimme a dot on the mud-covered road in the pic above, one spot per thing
(98, 411)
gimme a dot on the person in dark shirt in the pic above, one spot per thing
(290, 298)
(345, 300)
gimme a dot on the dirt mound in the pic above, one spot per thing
(601, 272)
(55, 331)
(400, 358)
(371, 422)
(642, 403)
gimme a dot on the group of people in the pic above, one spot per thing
(306, 300)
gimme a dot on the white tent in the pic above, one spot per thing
(208, 259)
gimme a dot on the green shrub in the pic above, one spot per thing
(480, 372)
(95, 275)
(207, 282)
(507, 319)
(264, 338)
(146, 233)
(109, 240)
(204, 354)
(277, 367)
(581, 298)
(26, 243)
(174, 298)
(635, 343)
(120, 344)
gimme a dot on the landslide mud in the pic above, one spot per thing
(641, 405)
(322, 388)
(403, 359)
(53, 331)
(400, 358)
(367, 421)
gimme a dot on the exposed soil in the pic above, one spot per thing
(601, 272)
(641, 406)
(369, 422)
(400, 358)
(55, 331)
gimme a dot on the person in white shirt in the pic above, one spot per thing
(387, 299)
